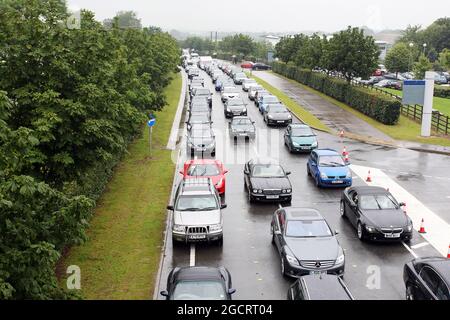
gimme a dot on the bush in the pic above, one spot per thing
(377, 106)
(442, 92)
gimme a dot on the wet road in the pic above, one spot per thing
(247, 251)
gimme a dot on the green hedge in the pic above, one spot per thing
(442, 92)
(377, 106)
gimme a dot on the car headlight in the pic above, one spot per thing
(270, 117)
(295, 144)
(288, 190)
(283, 191)
(255, 190)
(260, 191)
(215, 227)
(228, 110)
(409, 228)
(349, 174)
(340, 259)
(314, 144)
(323, 175)
(370, 229)
(289, 116)
(178, 228)
(245, 110)
(292, 260)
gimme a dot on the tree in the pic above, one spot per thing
(124, 20)
(444, 59)
(421, 66)
(398, 58)
(351, 53)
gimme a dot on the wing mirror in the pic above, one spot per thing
(336, 231)
(231, 291)
(246, 172)
(277, 232)
(164, 293)
(288, 173)
(223, 206)
(402, 204)
(170, 208)
(181, 172)
(225, 171)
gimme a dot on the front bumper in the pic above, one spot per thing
(279, 122)
(380, 236)
(282, 197)
(302, 149)
(298, 271)
(235, 113)
(250, 135)
(208, 237)
(195, 149)
(345, 182)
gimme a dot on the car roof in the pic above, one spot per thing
(196, 186)
(240, 118)
(203, 161)
(269, 96)
(198, 273)
(369, 190)
(326, 152)
(325, 287)
(299, 126)
(293, 213)
(440, 264)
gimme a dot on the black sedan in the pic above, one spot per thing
(306, 243)
(375, 214)
(235, 107)
(260, 66)
(266, 180)
(199, 283)
(242, 127)
(427, 279)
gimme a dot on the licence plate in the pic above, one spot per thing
(337, 181)
(272, 197)
(392, 235)
(280, 121)
(317, 272)
(197, 236)
(305, 148)
(242, 134)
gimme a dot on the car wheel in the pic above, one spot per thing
(175, 243)
(220, 242)
(409, 292)
(360, 231)
(317, 182)
(342, 209)
(250, 197)
(308, 171)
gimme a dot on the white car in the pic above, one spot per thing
(252, 91)
(229, 93)
(247, 83)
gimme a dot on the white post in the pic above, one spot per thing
(428, 104)
(150, 131)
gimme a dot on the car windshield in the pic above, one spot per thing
(302, 132)
(276, 109)
(307, 229)
(268, 99)
(199, 117)
(242, 122)
(203, 170)
(331, 161)
(199, 290)
(197, 203)
(377, 202)
(268, 171)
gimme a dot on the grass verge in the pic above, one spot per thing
(405, 129)
(121, 258)
(297, 109)
(441, 104)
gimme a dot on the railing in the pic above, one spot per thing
(439, 121)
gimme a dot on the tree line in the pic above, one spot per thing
(348, 52)
(71, 100)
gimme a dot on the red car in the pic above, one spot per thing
(206, 168)
(247, 65)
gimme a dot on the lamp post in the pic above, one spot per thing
(411, 45)
(424, 48)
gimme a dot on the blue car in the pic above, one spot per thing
(328, 169)
(265, 101)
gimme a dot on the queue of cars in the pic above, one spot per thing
(306, 244)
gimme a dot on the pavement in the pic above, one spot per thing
(373, 270)
(339, 119)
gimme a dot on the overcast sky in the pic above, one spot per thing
(272, 15)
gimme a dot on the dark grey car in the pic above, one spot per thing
(242, 127)
(306, 243)
(235, 107)
(277, 114)
(201, 139)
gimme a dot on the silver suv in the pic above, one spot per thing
(197, 214)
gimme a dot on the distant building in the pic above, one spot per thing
(272, 39)
(384, 47)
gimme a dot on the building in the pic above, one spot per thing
(272, 39)
(384, 47)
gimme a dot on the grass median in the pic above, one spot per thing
(121, 258)
(297, 109)
(405, 129)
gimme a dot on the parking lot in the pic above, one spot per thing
(373, 270)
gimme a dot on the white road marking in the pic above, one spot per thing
(438, 230)
(420, 245)
(409, 249)
(192, 260)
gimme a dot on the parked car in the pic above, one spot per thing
(247, 65)
(199, 283)
(229, 93)
(386, 83)
(223, 81)
(266, 180)
(201, 139)
(319, 287)
(252, 91)
(328, 169)
(277, 114)
(203, 92)
(439, 78)
(265, 100)
(193, 72)
(242, 127)
(300, 138)
(239, 77)
(197, 212)
(247, 83)
(305, 243)
(206, 168)
(261, 66)
(234, 107)
(375, 214)
(199, 118)
(427, 279)
(259, 94)
(372, 80)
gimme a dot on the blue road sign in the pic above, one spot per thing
(413, 92)
(151, 122)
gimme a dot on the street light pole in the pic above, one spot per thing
(424, 47)
(411, 45)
